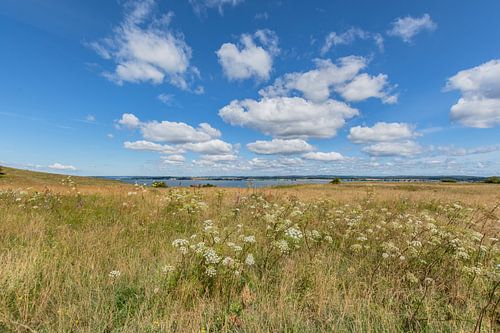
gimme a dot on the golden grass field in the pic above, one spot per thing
(92, 255)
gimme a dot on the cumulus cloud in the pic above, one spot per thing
(321, 156)
(404, 149)
(479, 105)
(365, 86)
(181, 137)
(456, 151)
(177, 132)
(289, 117)
(144, 49)
(173, 159)
(349, 36)
(200, 6)
(407, 27)
(279, 146)
(253, 57)
(343, 78)
(59, 166)
(210, 159)
(381, 132)
(129, 120)
(151, 146)
(212, 147)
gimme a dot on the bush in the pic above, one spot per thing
(1, 171)
(448, 180)
(158, 184)
(492, 180)
(335, 181)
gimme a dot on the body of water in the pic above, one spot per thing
(244, 182)
(241, 183)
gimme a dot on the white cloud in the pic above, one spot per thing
(320, 156)
(289, 117)
(212, 147)
(404, 149)
(349, 36)
(144, 49)
(129, 120)
(166, 99)
(381, 132)
(454, 151)
(173, 159)
(479, 105)
(248, 59)
(183, 137)
(343, 78)
(365, 86)
(279, 146)
(110, 135)
(90, 118)
(151, 146)
(200, 6)
(408, 27)
(177, 132)
(59, 166)
(218, 158)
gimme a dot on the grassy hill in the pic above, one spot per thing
(25, 178)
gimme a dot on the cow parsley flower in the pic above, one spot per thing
(211, 256)
(249, 239)
(167, 269)
(249, 260)
(114, 274)
(211, 271)
(294, 233)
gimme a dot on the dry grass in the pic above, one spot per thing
(360, 257)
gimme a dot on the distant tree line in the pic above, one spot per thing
(492, 180)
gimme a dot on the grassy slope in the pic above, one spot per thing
(58, 247)
(17, 178)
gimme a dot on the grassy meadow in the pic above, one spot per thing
(89, 255)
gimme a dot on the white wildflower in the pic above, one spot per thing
(114, 274)
(211, 271)
(249, 260)
(294, 233)
(249, 239)
(167, 269)
(211, 256)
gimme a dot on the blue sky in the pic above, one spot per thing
(240, 87)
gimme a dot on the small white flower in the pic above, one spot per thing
(282, 246)
(211, 256)
(249, 239)
(167, 269)
(249, 260)
(114, 274)
(329, 239)
(180, 242)
(211, 271)
(385, 255)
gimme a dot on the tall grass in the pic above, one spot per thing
(220, 261)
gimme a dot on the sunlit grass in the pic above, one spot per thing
(167, 260)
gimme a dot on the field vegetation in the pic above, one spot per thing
(90, 255)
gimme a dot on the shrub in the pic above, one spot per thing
(158, 184)
(448, 180)
(492, 180)
(335, 181)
